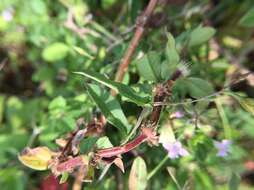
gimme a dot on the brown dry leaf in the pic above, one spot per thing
(119, 163)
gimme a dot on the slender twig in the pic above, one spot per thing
(148, 128)
(140, 28)
(157, 168)
(139, 121)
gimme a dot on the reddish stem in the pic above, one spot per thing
(140, 28)
(110, 152)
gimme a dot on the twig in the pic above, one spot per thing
(140, 119)
(148, 128)
(157, 168)
(140, 28)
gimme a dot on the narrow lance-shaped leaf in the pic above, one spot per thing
(111, 116)
(64, 177)
(172, 58)
(138, 175)
(124, 90)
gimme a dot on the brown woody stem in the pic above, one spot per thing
(140, 28)
(162, 91)
(110, 152)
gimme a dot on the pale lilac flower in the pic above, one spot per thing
(175, 150)
(7, 14)
(177, 115)
(222, 147)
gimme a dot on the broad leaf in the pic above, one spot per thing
(246, 103)
(138, 175)
(248, 19)
(199, 88)
(149, 66)
(172, 58)
(87, 144)
(200, 35)
(55, 52)
(234, 181)
(37, 158)
(124, 90)
(103, 142)
(109, 107)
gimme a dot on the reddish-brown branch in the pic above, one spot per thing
(140, 28)
(110, 152)
(148, 133)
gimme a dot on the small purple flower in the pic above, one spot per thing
(175, 150)
(7, 14)
(177, 115)
(222, 147)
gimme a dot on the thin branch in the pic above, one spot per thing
(140, 28)
(148, 127)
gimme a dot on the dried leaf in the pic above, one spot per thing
(119, 163)
(37, 158)
(71, 164)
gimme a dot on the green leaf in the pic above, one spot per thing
(246, 103)
(149, 66)
(87, 144)
(171, 52)
(103, 142)
(56, 103)
(198, 88)
(248, 19)
(172, 58)
(124, 90)
(109, 107)
(64, 177)
(201, 35)
(55, 52)
(234, 181)
(138, 175)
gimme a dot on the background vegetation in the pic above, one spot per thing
(43, 42)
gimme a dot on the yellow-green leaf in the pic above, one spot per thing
(138, 175)
(37, 158)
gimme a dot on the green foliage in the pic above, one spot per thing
(248, 19)
(200, 35)
(55, 52)
(149, 66)
(110, 108)
(124, 90)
